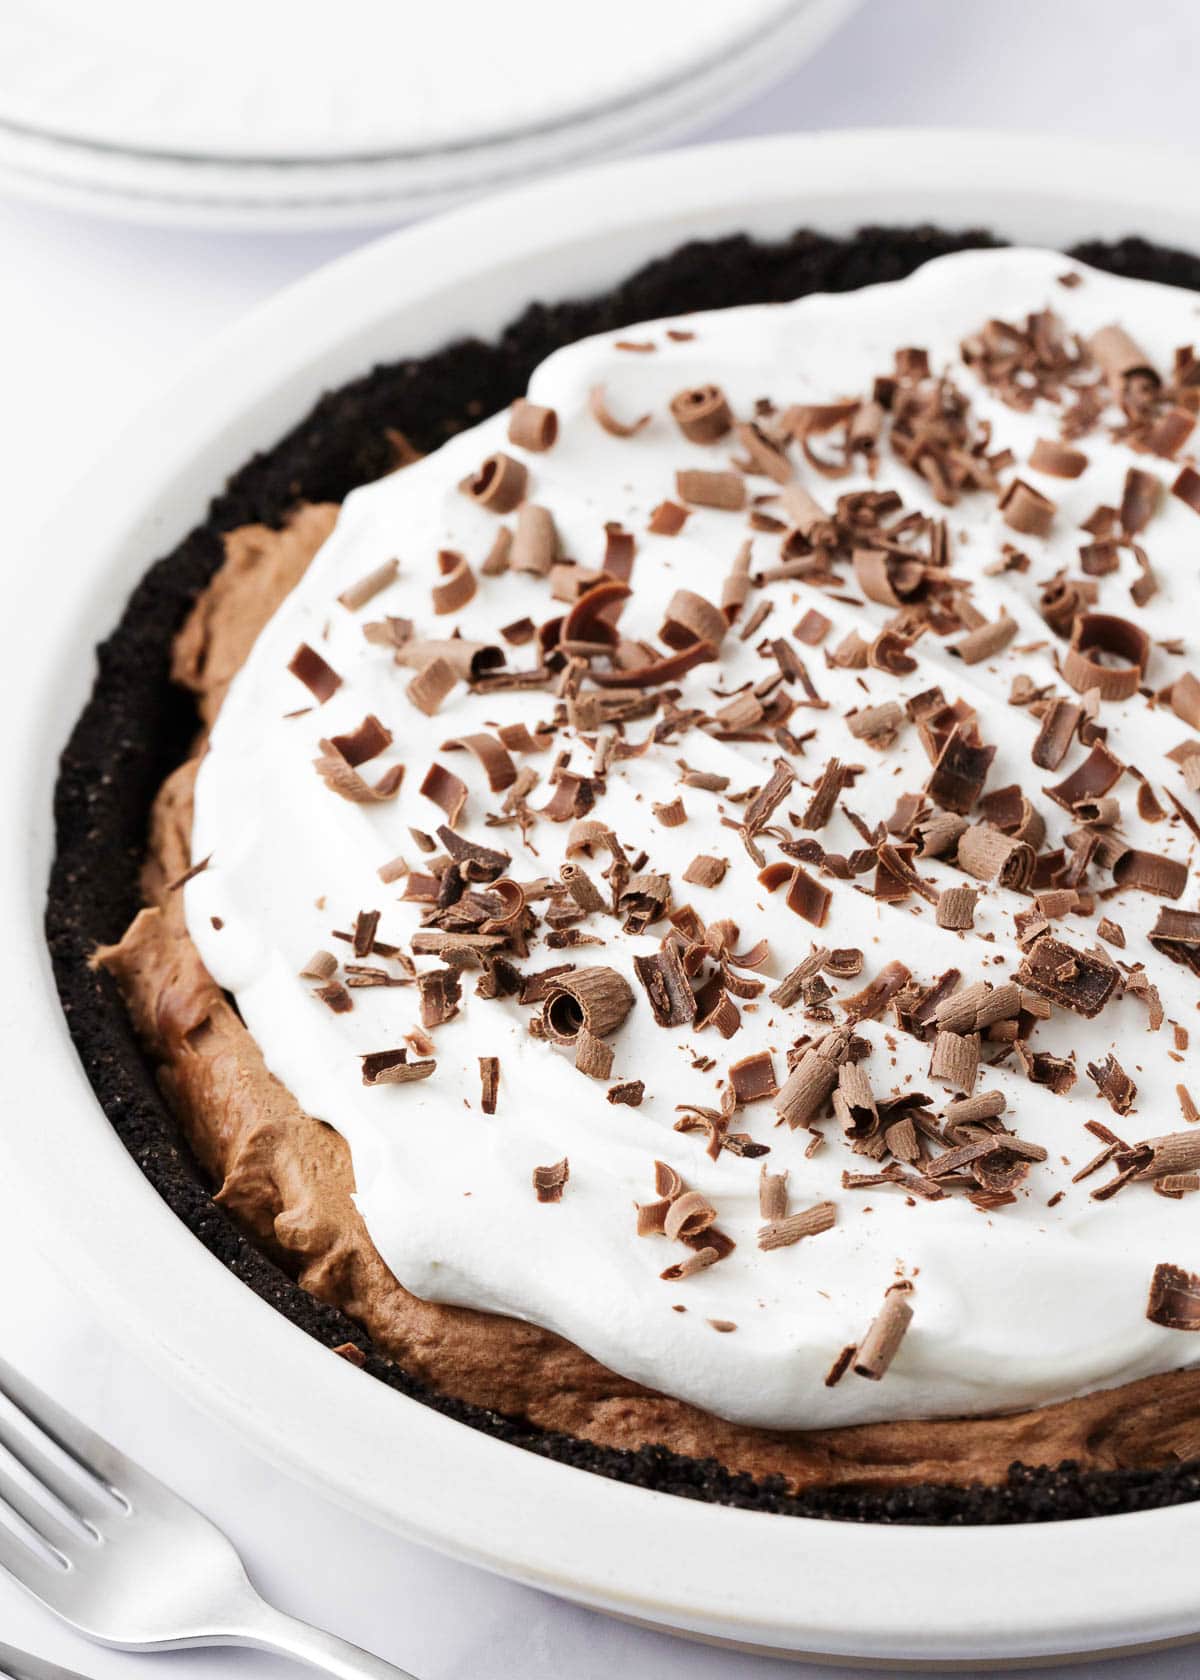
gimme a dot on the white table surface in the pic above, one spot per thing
(94, 319)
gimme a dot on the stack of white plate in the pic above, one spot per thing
(302, 113)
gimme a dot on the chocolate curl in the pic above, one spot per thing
(1139, 500)
(725, 490)
(985, 640)
(1150, 872)
(1120, 359)
(688, 1215)
(499, 485)
(1055, 733)
(702, 413)
(431, 685)
(535, 541)
(607, 420)
(531, 426)
(956, 908)
(317, 675)
(882, 1341)
(1187, 488)
(360, 745)
(772, 1194)
(344, 780)
(955, 1059)
(499, 768)
(366, 589)
(690, 619)
(736, 588)
(1026, 510)
(810, 1084)
(469, 661)
(597, 999)
(793, 1227)
(1117, 638)
(392, 1067)
(446, 790)
(989, 855)
(1185, 699)
(456, 585)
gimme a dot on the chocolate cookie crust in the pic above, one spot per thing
(136, 728)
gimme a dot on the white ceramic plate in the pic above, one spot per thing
(319, 142)
(876, 1593)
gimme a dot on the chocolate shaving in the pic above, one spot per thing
(1099, 771)
(628, 1093)
(593, 1056)
(667, 519)
(1150, 872)
(959, 773)
(990, 855)
(705, 871)
(667, 987)
(550, 1182)
(318, 677)
(1187, 488)
(1056, 731)
(985, 640)
(489, 1080)
(1174, 1300)
(810, 1083)
(492, 754)
(446, 790)
(753, 1078)
(456, 586)
(392, 1067)
(343, 779)
(1177, 935)
(700, 488)
(1077, 980)
(1139, 499)
(956, 908)
(1123, 650)
(793, 1227)
(431, 685)
(1113, 1084)
(1057, 460)
(1026, 510)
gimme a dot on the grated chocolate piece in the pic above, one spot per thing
(392, 1067)
(1174, 1300)
(550, 1182)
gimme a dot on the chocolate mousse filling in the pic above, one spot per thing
(184, 1084)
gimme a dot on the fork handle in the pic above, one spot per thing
(270, 1630)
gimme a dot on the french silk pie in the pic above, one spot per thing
(668, 919)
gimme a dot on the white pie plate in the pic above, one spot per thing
(925, 1596)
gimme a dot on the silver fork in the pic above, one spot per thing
(127, 1562)
(19, 1665)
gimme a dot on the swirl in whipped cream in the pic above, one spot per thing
(1014, 1305)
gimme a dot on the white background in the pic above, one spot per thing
(94, 318)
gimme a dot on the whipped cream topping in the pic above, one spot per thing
(1018, 1305)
